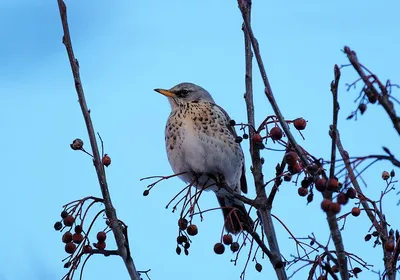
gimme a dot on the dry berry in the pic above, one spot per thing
(276, 133)
(69, 220)
(362, 107)
(325, 204)
(291, 158)
(392, 173)
(182, 223)
(178, 250)
(78, 229)
(257, 138)
(294, 169)
(106, 160)
(342, 199)
(320, 185)
(351, 193)
(181, 239)
(187, 245)
(287, 177)
(258, 267)
(321, 277)
(232, 122)
(58, 226)
(334, 207)
(310, 198)
(101, 236)
(67, 237)
(64, 214)
(300, 123)
(227, 239)
(101, 245)
(77, 238)
(235, 247)
(77, 144)
(192, 230)
(70, 248)
(333, 184)
(355, 211)
(302, 191)
(368, 237)
(385, 175)
(238, 139)
(389, 247)
(305, 183)
(219, 248)
(245, 136)
(87, 249)
(146, 193)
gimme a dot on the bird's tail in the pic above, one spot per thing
(235, 214)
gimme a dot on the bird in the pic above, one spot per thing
(203, 148)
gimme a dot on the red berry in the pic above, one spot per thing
(389, 246)
(227, 239)
(192, 230)
(101, 245)
(333, 184)
(70, 248)
(87, 249)
(342, 199)
(69, 221)
(295, 169)
(181, 239)
(106, 160)
(77, 238)
(219, 248)
(351, 193)
(78, 229)
(291, 158)
(257, 138)
(276, 133)
(182, 223)
(302, 191)
(355, 211)
(101, 236)
(300, 123)
(67, 237)
(320, 185)
(325, 204)
(334, 207)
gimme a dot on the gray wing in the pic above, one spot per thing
(243, 181)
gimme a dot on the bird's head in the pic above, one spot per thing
(184, 93)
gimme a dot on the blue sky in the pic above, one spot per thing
(127, 48)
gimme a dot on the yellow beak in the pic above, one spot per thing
(165, 92)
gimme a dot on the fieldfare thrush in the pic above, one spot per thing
(201, 143)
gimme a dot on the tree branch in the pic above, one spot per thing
(123, 246)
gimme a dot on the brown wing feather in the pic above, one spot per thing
(243, 181)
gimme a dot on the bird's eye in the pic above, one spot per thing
(184, 92)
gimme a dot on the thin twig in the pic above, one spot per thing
(110, 210)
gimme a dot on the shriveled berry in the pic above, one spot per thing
(321, 277)
(87, 249)
(257, 138)
(310, 198)
(300, 123)
(182, 223)
(262, 160)
(187, 245)
(368, 237)
(291, 158)
(305, 183)
(302, 191)
(235, 247)
(245, 136)
(351, 193)
(67, 237)
(78, 229)
(238, 139)
(325, 204)
(342, 199)
(334, 207)
(181, 239)
(392, 173)
(219, 248)
(333, 184)
(389, 246)
(69, 221)
(106, 160)
(101, 236)
(101, 245)
(258, 267)
(186, 252)
(276, 133)
(375, 234)
(232, 122)
(372, 98)
(58, 226)
(77, 144)
(192, 230)
(67, 264)
(362, 107)
(64, 214)
(356, 270)
(70, 248)
(355, 211)
(178, 250)
(146, 192)
(287, 177)
(385, 175)
(77, 238)
(227, 239)
(320, 185)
